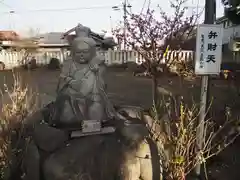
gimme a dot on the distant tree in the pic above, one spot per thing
(28, 46)
(33, 32)
(151, 32)
(232, 10)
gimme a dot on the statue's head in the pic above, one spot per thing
(83, 49)
(83, 46)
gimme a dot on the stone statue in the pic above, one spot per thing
(79, 31)
(81, 90)
(81, 97)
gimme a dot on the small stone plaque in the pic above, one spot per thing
(90, 126)
(104, 130)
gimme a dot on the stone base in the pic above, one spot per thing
(124, 154)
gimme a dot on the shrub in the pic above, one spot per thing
(17, 103)
(175, 129)
(31, 64)
(54, 64)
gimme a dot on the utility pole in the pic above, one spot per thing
(125, 24)
(210, 11)
(210, 17)
(117, 8)
(11, 20)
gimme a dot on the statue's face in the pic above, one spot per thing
(83, 53)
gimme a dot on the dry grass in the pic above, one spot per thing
(18, 102)
(179, 138)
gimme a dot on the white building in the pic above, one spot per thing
(230, 32)
(231, 41)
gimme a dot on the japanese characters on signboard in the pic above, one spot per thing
(208, 55)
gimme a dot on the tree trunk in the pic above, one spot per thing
(154, 90)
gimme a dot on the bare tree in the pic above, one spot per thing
(33, 32)
(151, 32)
(28, 45)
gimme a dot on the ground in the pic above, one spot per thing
(124, 88)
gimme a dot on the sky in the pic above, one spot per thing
(40, 16)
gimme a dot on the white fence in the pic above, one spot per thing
(120, 57)
(14, 59)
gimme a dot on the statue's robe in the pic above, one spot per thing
(80, 86)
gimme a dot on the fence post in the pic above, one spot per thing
(108, 57)
(62, 57)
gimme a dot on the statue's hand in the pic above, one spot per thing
(76, 85)
(94, 67)
(68, 79)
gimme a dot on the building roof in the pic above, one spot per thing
(51, 38)
(9, 36)
(221, 19)
(55, 39)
